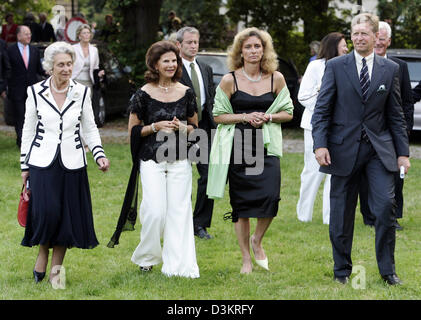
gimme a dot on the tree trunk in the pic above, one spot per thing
(143, 16)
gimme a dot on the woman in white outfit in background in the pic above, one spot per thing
(332, 45)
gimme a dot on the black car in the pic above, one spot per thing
(218, 62)
(413, 59)
(109, 97)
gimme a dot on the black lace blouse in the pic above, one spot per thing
(150, 110)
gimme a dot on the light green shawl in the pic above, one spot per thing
(222, 143)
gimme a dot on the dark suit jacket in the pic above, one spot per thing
(21, 78)
(47, 34)
(406, 92)
(416, 93)
(340, 114)
(207, 75)
(4, 66)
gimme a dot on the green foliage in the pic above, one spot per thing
(20, 7)
(281, 22)
(204, 15)
(404, 19)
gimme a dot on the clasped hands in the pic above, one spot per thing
(170, 126)
(256, 119)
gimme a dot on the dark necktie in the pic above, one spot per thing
(364, 80)
(196, 87)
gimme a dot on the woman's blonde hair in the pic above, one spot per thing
(81, 27)
(269, 62)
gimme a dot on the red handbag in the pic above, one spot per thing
(23, 207)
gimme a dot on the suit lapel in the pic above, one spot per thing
(376, 75)
(350, 68)
(19, 54)
(185, 78)
(47, 96)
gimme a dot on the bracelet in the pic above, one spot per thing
(153, 128)
(244, 118)
(270, 117)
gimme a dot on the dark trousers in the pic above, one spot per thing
(381, 200)
(368, 217)
(18, 106)
(202, 214)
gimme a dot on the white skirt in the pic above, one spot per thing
(166, 212)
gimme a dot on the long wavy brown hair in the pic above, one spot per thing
(153, 55)
(269, 62)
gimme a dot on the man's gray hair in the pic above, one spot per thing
(54, 49)
(369, 18)
(384, 25)
(182, 31)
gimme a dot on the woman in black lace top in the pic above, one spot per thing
(166, 112)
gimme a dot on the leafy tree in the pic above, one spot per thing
(204, 15)
(20, 7)
(280, 18)
(403, 17)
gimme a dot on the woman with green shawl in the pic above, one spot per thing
(250, 103)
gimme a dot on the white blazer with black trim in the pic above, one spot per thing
(93, 61)
(48, 130)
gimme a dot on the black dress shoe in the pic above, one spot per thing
(397, 225)
(38, 276)
(202, 233)
(392, 279)
(343, 280)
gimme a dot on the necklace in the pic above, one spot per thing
(56, 90)
(164, 88)
(250, 78)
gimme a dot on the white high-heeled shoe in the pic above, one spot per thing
(264, 263)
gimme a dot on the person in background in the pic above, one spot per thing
(382, 43)
(26, 70)
(29, 21)
(87, 58)
(164, 107)
(4, 69)
(199, 77)
(253, 100)
(9, 30)
(314, 49)
(332, 45)
(46, 29)
(53, 160)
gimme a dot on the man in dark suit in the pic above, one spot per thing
(382, 43)
(4, 68)
(46, 29)
(359, 128)
(26, 70)
(199, 77)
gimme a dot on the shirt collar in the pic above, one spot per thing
(187, 63)
(21, 46)
(359, 58)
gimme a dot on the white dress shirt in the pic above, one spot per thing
(309, 90)
(359, 62)
(199, 75)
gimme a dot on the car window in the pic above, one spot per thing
(286, 69)
(217, 63)
(414, 68)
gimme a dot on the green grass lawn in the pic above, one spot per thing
(300, 258)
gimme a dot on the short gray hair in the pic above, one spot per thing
(54, 49)
(182, 31)
(369, 18)
(81, 27)
(384, 25)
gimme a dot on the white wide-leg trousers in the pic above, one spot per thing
(166, 212)
(310, 182)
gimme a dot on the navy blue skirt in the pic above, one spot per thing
(60, 208)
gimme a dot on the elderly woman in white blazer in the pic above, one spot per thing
(332, 45)
(53, 160)
(87, 58)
